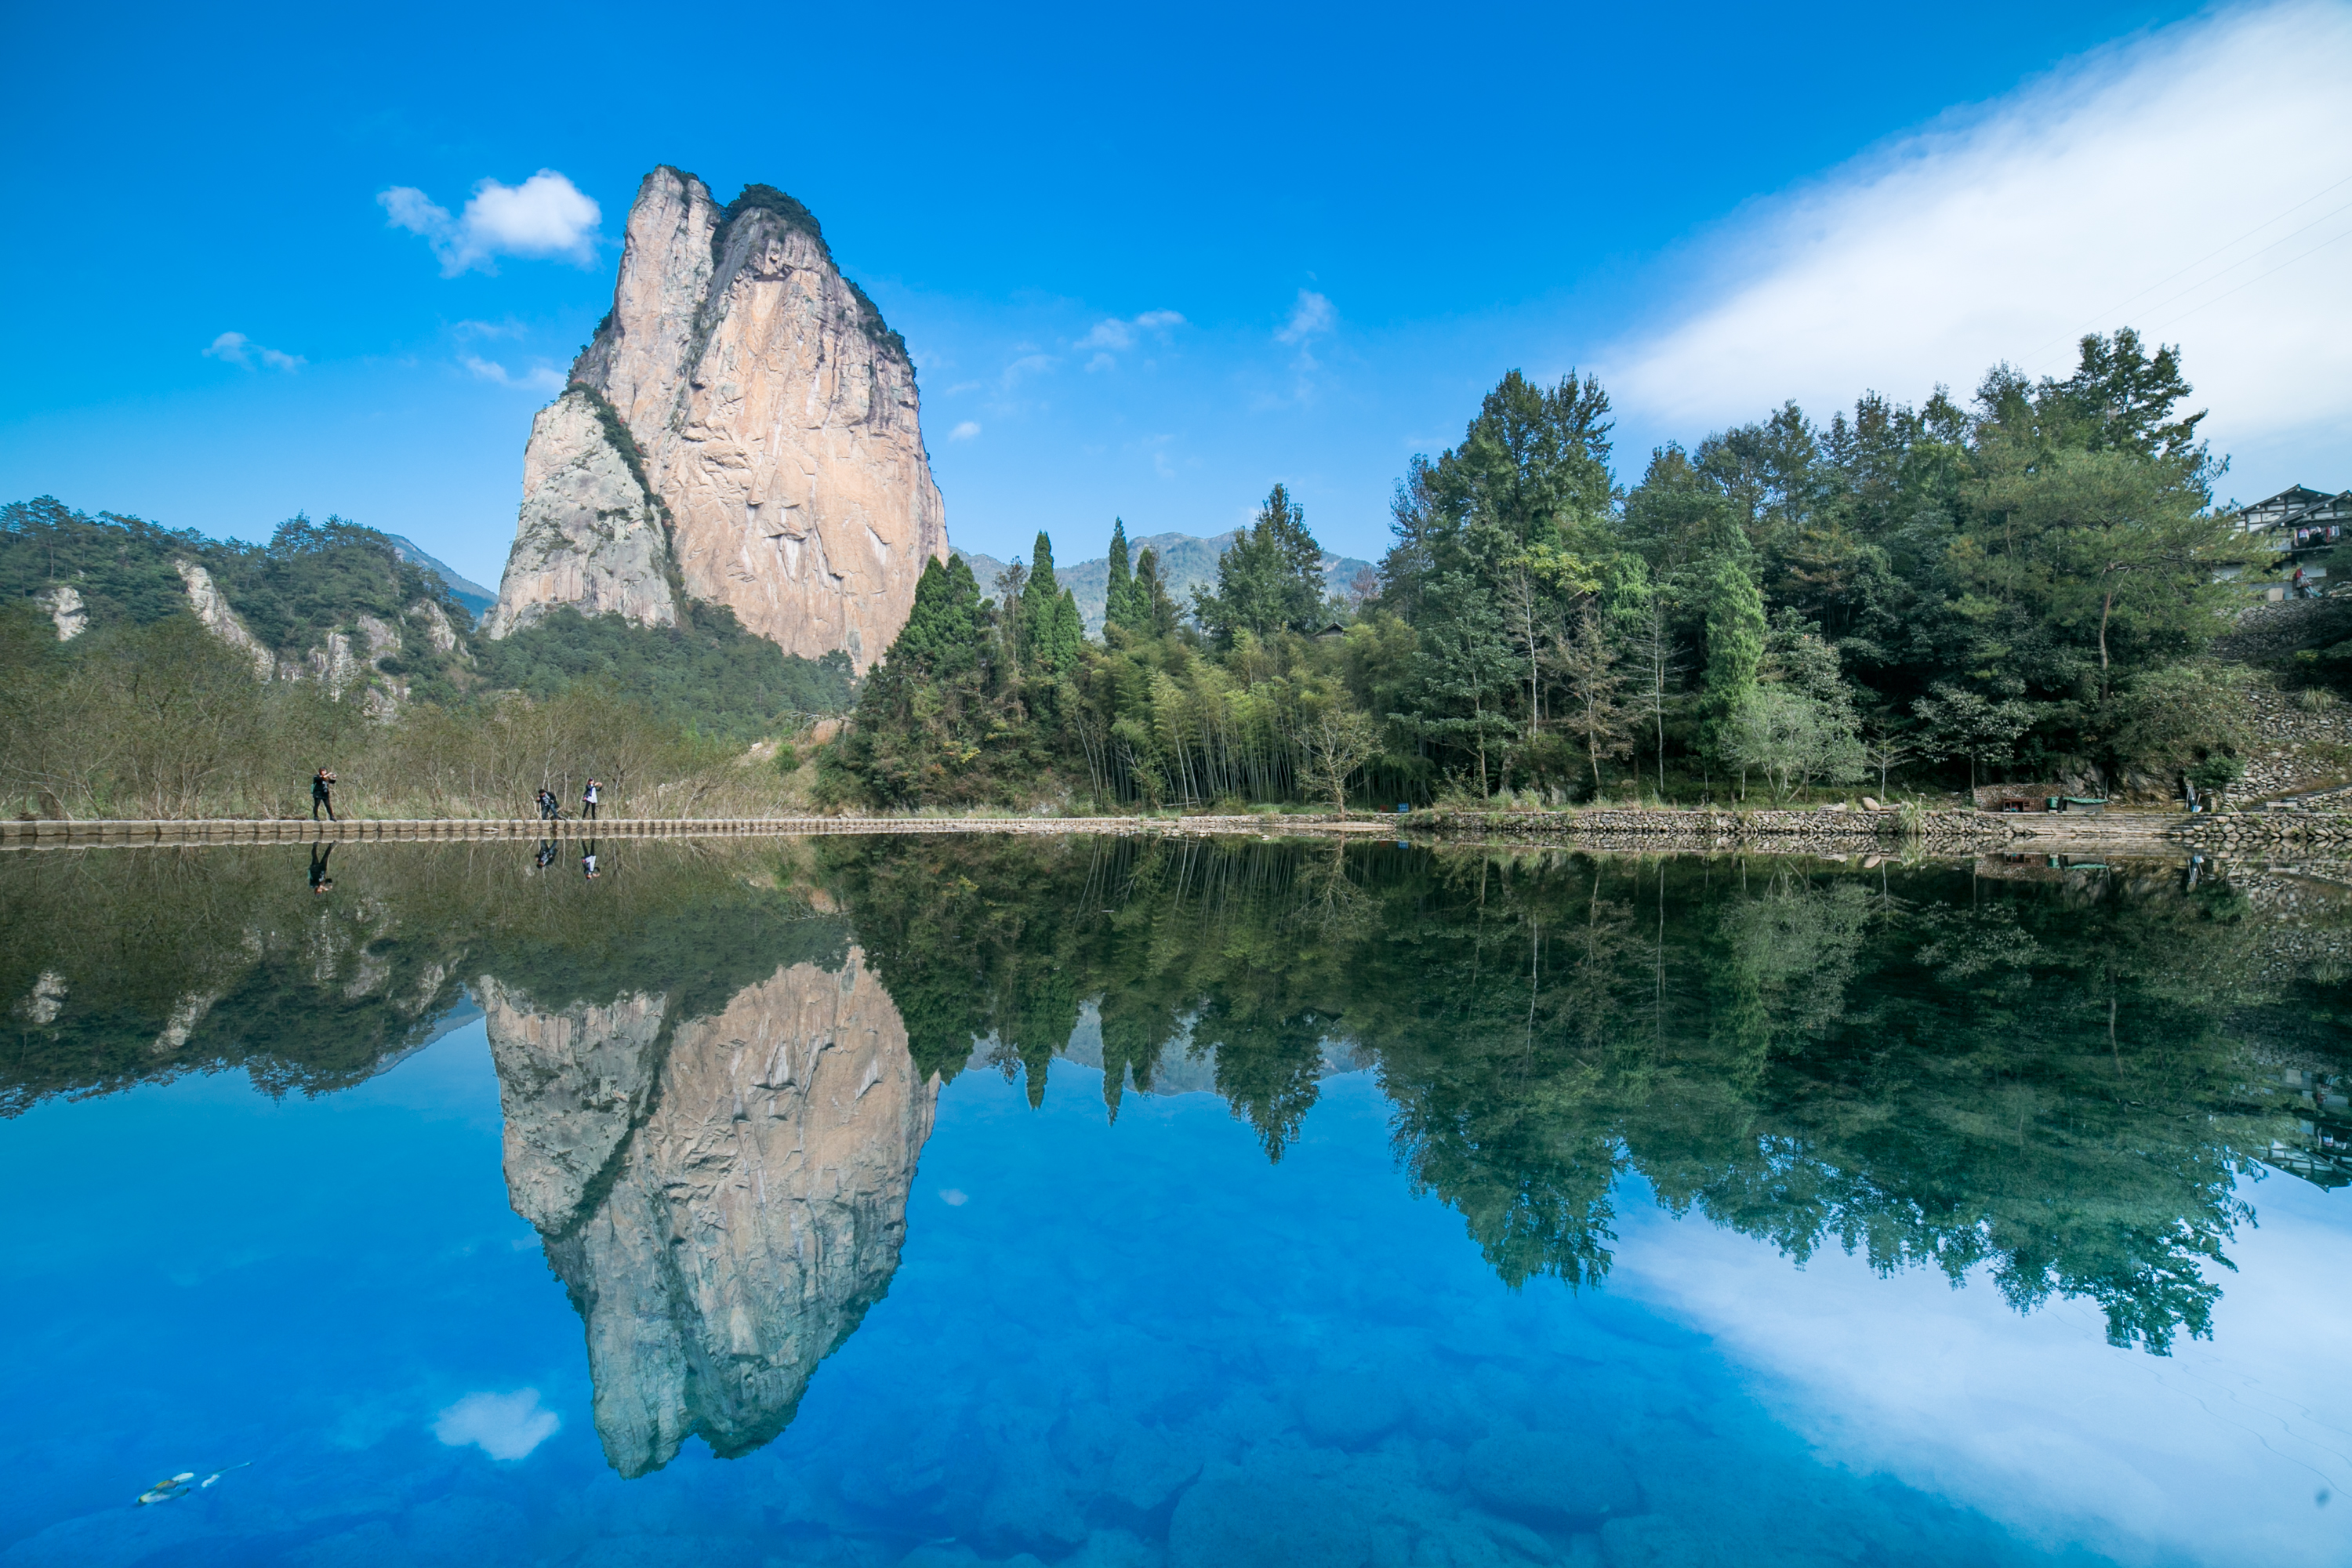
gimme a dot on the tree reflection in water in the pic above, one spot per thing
(719, 1064)
(2058, 1080)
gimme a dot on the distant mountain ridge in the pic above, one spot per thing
(1186, 561)
(463, 589)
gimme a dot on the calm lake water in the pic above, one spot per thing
(1099, 1202)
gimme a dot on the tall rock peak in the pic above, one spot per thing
(743, 429)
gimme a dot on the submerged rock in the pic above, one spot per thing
(1548, 1477)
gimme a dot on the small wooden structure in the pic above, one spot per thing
(2023, 797)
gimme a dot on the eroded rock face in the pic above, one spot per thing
(723, 1209)
(65, 611)
(590, 535)
(779, 429)
(438, 631)
(212, 609)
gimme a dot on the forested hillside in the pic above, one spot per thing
(148, 671)
(2026, 584)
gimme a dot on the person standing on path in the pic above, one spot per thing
(319, 796)
(589, 798)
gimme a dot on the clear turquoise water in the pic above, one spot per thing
(1129, 1341)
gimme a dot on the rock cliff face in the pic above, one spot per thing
(743, 429)
(591, 531)
(724, 1207)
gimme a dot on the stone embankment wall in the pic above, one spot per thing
(1781, 830)
(2293, 748)
(2226, 828)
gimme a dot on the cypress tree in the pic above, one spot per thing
(1119, 597)
(1039, 595)
(1069, 633)
(1735, 633)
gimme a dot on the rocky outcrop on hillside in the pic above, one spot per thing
(723, 1204)
(212, 609)
(590, 535)
(743, 430)
(66, 612)
(331, 662)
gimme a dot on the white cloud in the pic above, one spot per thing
(1312, 314)
(1101, 362)
(510, 328)
(2190, 183)
(503, 1425)
(965, 431)
(236, 349)
(1114, 333)
(539, 378)
(547, 214)
(2212, 1455)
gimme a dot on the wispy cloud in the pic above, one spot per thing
(1121, 335)
(1023, 368)
(1311, 315)
(965, 431)
(547, 214)
(510, 328)
(236, 348)
(503, 1425)
(539, 378)
(2195, 183)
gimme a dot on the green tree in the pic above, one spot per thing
(2103, 545)
(1792, 739)
(1157, 615)
(1269, 580)
(1051, 632)
(1119, 596)
(1587, 660)
(1466, 673)
(1532, 470)
(1957, 723)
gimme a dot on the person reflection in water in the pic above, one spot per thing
(588, 861)
(546, 856)
(319, 881)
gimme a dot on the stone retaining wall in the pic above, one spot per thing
(1784, 830)
(2227, 827)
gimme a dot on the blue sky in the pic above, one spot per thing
(1151, 260)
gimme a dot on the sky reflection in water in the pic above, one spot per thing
(1141, 1340)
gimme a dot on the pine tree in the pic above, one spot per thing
(1270, 578)
(1119, 597)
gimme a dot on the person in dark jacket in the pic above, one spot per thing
(319, 854)
(319, 782)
